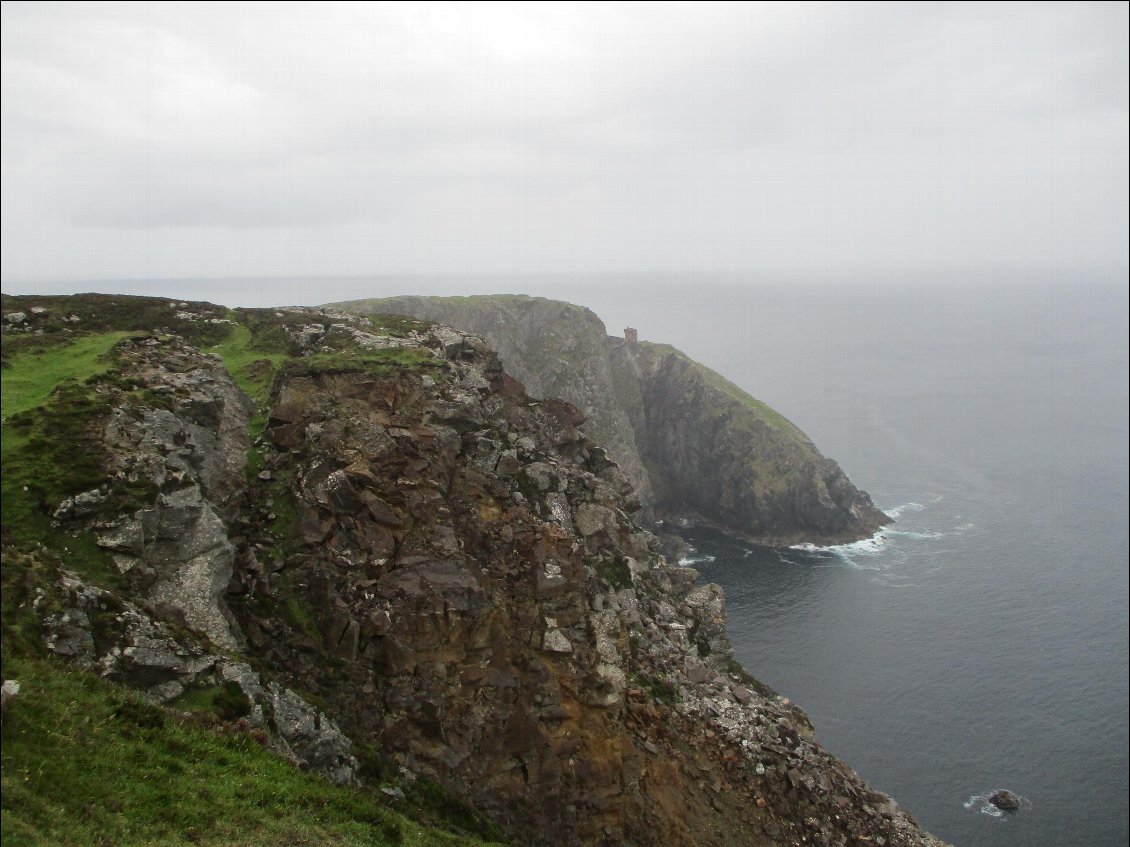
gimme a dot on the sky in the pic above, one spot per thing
(810, 140)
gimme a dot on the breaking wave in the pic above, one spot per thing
(888, 547)
(906, 507)
(695, 559)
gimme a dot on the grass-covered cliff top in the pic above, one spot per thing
(460, 301)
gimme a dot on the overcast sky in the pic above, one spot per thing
(191, 140)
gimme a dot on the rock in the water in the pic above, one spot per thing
(1005, 800)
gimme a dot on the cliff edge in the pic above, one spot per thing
(696, 448)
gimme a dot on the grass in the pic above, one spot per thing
(88, 763)
(102, 313)
(250, 366)
(47, 455)
(32, 375)
(253, 365)
(382, 363)
(614, 569)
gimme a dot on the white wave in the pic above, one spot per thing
(875, 544)
(852, 554)
(915, 536)
(889, 547)
(906, 507)
(981, 803)
(695, 560)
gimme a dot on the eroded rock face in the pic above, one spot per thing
(179, 439)
(554, 349)
(117, 639)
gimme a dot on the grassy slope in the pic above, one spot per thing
(88, 763)
(32, 376)
(47, 410)
(250, 367)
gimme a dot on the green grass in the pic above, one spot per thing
(32, 375)
(48, 455)
(614, 569)
(252, 367)
(101, 313)
(87, 763)
(48, 409)
(384, 363)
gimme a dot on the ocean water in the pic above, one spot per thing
(981, 641)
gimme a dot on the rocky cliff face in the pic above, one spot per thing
(695, 447)
(717, 456)
(426, 573)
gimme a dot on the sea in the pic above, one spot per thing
(980, 641)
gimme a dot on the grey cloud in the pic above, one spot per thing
(424, 137)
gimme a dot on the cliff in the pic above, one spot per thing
(696, 447)
(362, 543)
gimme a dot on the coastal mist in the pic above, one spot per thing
(981, 641)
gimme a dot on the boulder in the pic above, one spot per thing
(1005, 800)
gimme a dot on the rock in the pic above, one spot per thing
(8, 692)
(81, 505)
(311, 737)
(1005, 800)
(554, 641)
(591, 518)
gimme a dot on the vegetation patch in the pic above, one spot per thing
(30, 377)
(252, 365)
(87, 763)
(382, 363)
(661, 690)
(614, 569)
(54, 320)
(49, 454)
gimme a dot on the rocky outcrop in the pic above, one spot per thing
(695, 447)
(178, 440)
(1005, 800)
(96, 629)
